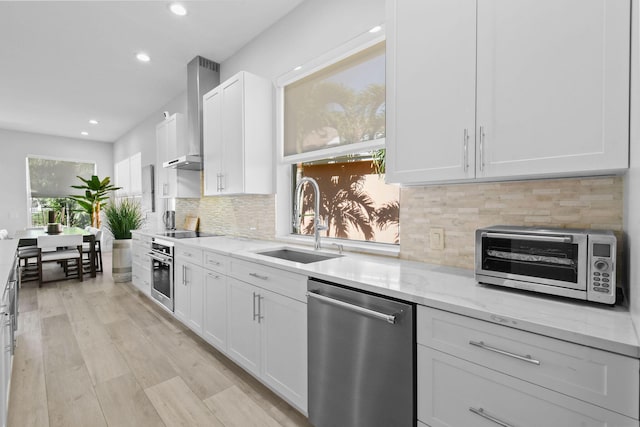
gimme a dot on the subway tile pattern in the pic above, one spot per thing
(460, 209)
(252, 216)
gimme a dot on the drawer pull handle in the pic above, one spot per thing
(526, 358)
(213, 262)
(215, 276)
(483, 414)
(259, 276)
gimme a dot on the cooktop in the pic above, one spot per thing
(186, 234)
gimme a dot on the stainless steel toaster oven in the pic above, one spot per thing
(573, 263)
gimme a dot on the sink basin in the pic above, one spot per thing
(298, 256)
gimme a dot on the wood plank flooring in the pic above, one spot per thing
(99, 353)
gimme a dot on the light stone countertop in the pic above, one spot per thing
(453, 290)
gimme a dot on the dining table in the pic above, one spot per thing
(29, 237)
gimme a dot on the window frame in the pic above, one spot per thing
(29, 197)
(284, 178)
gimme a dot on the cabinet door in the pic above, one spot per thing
(135, 174)
(232, 115)
(212, 136)
(161, 152)
(195, 286)
(430, 90)
(181, 292)
(453, 392)
(553, 86)
(243, 340)
(284, 346)
(215, 313)
(122, 177)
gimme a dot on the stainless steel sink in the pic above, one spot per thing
(298, 256)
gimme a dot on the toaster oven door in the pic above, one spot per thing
(546, 259)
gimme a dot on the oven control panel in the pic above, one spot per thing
(602, 273)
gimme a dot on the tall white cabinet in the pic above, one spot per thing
(238, 136)
(173, 182)
(501, 89)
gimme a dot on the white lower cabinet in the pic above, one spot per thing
(140, 265)
(267, 330)
(456, 393)
(215, 313)
(188, 293)
(473, 372)
(244, 329)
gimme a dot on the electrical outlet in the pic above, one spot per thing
(436, 239)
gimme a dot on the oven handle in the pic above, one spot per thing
(157, 258)
(538, 238)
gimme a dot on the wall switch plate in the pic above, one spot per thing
(436, 239)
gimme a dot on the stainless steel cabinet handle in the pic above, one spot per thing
(483, 414)
(260, 316)
(255, 313)
(259, 276)
(184, 275)
(527, 358)
(212, 262)
(389, 318)
(481, 148)
(537, 238)
(215, 276)
(188, 254)
(466, 150)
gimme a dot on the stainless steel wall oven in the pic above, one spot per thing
(162, 274)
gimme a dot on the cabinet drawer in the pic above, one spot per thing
(456, 393)
(189, 254)
(216, 262)
(596, 376)
(279, 281)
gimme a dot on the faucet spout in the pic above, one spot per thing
(317, 224)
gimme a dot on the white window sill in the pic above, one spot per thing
(383, 249)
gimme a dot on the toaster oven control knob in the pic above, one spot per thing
(601, 265)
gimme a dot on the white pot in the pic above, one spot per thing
(121, 261)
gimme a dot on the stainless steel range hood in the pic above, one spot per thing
(202, 76)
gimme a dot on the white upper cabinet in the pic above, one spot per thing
(431, 56)
(173, 182)
(545, 81)
(238, 136)
(128, 175)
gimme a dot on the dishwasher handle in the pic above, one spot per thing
(389, 318)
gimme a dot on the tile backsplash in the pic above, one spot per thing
(462, 208)
(459, 209)
(252, 216)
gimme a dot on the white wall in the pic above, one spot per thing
(310, 30)
(632, 179)
(16, 146)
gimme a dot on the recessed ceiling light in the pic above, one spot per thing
(93, 122)
(298, 68)
(178, 9)
(143, 57)
(375, 29)
(84, 133)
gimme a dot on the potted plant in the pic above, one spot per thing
(96, 192)
(120, 218)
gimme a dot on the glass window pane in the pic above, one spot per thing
(356, 203)
(341, 104)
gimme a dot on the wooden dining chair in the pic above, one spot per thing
(60, 248)
(86, 249)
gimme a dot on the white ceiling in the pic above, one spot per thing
(65, 62)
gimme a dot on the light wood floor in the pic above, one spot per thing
(99, 353)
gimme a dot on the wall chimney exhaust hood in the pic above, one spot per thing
(202, 76)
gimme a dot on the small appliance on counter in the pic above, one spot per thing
(574, 263)
(169, 220)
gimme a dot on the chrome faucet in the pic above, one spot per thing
(317, 224)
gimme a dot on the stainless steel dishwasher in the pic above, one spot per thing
(362, 362)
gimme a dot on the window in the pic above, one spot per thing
(49, 183)
(333, 130)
